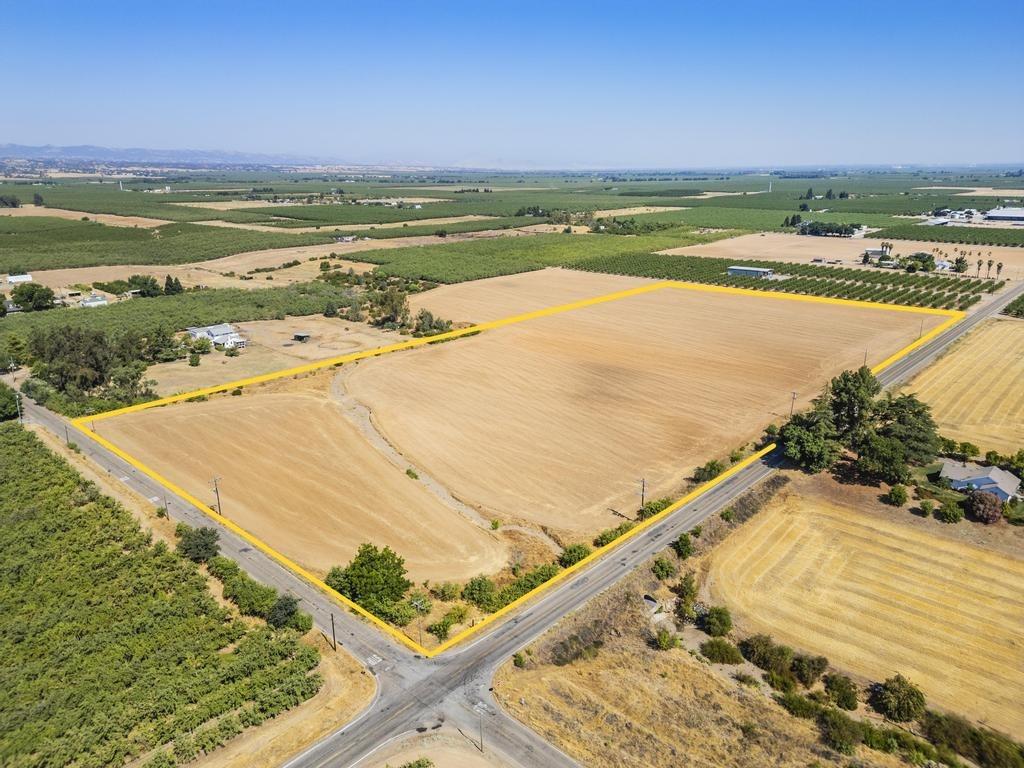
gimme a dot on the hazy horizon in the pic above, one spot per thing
(528, 87)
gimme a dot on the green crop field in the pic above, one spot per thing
(45, 243)
(113, 646)
(472, 260)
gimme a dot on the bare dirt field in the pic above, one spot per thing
(270, 348)
(631, 706)
(976, 390)
(231, 205)
(836, 573)
(800, 249)
(982, 191)
(445, 749)
(345, 227)
(295, 473)
(555, 420)
(103, 218)
(635, 211)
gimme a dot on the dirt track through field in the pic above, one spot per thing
(976, 390)
(554, 421)
(877, 597)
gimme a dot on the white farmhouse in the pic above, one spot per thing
(221, 335)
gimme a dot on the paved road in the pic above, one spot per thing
(452, 692)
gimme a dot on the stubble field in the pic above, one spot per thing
(295, 473)
(554, 421)
(976, 390)
(549, 423)
(879, 596)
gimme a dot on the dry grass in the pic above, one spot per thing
(635, 707)
(982, 191)
(555, 420)
(298, 475)
(827, 570)
(270, 348)
(635, 210)
(976, 390)
(446, 748)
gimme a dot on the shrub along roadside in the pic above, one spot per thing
(255, 599)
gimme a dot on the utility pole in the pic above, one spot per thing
(216, 490)
(334, 636)
(420, 608)
(481, 731)
(921, 332)
(17, 400)
(67, 437)
(865, 358)
(792, 404)
(643, 491)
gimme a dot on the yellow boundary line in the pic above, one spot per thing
(82, 422)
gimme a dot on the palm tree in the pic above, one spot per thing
(988, 272)
(979, 268)
(999, 268)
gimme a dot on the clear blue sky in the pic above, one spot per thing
(524, 84)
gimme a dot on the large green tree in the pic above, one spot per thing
(909, 421)
(375, 579)
(851, 397)
(8, 403)
(810, 439)
(883, 458)
(32, 297)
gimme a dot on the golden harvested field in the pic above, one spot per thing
(878, 595)
(296, 473)
(110, 219)
(976, 390)
(495, 297)
(555, 420)
(779, 246)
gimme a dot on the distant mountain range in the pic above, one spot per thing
(89, 152)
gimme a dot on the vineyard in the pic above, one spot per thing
(113, 646)
(961, 235)
(1015, 308)
(808, 279)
